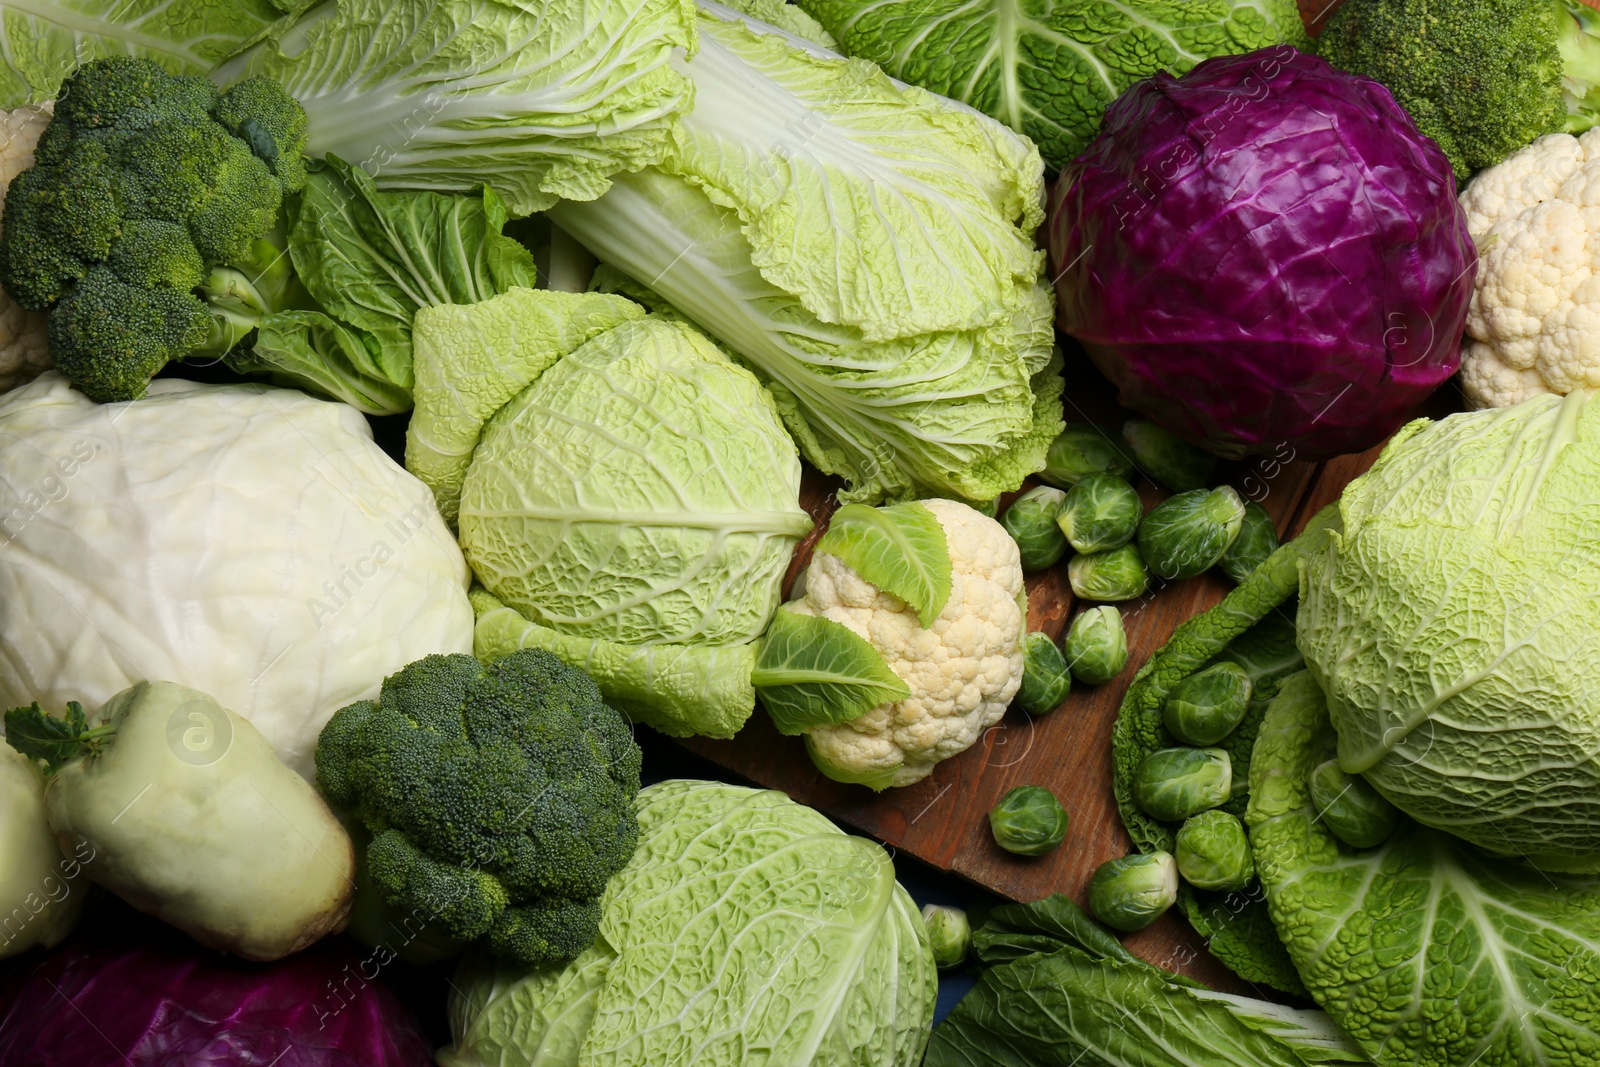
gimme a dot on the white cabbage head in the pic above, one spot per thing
(1454, 624)
(248, 542)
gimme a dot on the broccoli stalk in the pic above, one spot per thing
(145, 227)
(1579, 44)
(499, 798)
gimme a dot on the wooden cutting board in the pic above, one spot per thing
(942, 820)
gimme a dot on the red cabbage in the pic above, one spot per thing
(1264, 253)
(143, 996)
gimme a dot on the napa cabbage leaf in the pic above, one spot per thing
(747, 928)
(1050, 68)
(1426, 951)
(865, 247)
(539, 100)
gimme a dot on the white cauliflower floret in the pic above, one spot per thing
(24, 348)
(1534, 324)
(962, 671)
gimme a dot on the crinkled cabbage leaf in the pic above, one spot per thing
(746, 929)
(1426, 951)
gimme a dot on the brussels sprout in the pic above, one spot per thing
(1131, 893)
(1167, 458)
(1029, 821)
(1205, 707)
(1258, 539)
(1097, 646)
(1031, 522)
(1187, 534)
(1175, 783)
(1080, 451)
(1045, 678)
(1214, 853)
(1115, 575)
(950, 934)
(1356, 813)
(1100, 513)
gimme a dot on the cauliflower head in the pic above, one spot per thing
(1534, 325)
(24, 346)
(962, 671)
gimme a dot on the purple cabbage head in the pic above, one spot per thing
(1264, 253)
(143, 996)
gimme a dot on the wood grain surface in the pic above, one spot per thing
(942, 820)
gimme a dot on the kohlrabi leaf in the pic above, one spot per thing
(901, 549)
(541, 101)
(39, 735)
(1049, 70)
(812, 671)
(1425, 950)
(42, 41)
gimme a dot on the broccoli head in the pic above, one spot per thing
(142, 184)
(499, 797)
(1481, 77)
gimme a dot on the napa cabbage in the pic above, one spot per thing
(746, 929)
(1453, 624)
(1425, 950)
(865, 246)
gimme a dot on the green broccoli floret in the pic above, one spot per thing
(499, 797)
(1481, 77)
(146, 188)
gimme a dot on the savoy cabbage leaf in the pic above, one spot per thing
(1050, 68)
(1426, 951)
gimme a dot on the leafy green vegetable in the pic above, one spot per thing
(1029, 821)
(1166, 458)
(1352, 810)
(812, 670)
(540, 101)
(1132, 892)
(1031, 522)
(744, 921)
(1248, 628)
(1426, 951)
(1046, 679)
(1050, 70)
(1119, 574)
(1100, 513)
(1258, 539)
(1062, 992)
(41, 43)
(1081, 450)
(1214, 852)
(636, 506)
(867, 248)
(900, 549)
(1096, 647)
(1205, 707)
(372, 260)
(1187, 534)
(1451, 624)
(41, 736)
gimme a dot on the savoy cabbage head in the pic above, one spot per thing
(1050, 68)
(747, 929)
(1453, 625)
(1424, 950)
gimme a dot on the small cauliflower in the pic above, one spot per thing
(1534, 325)
(962, 670)
(24, 346)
